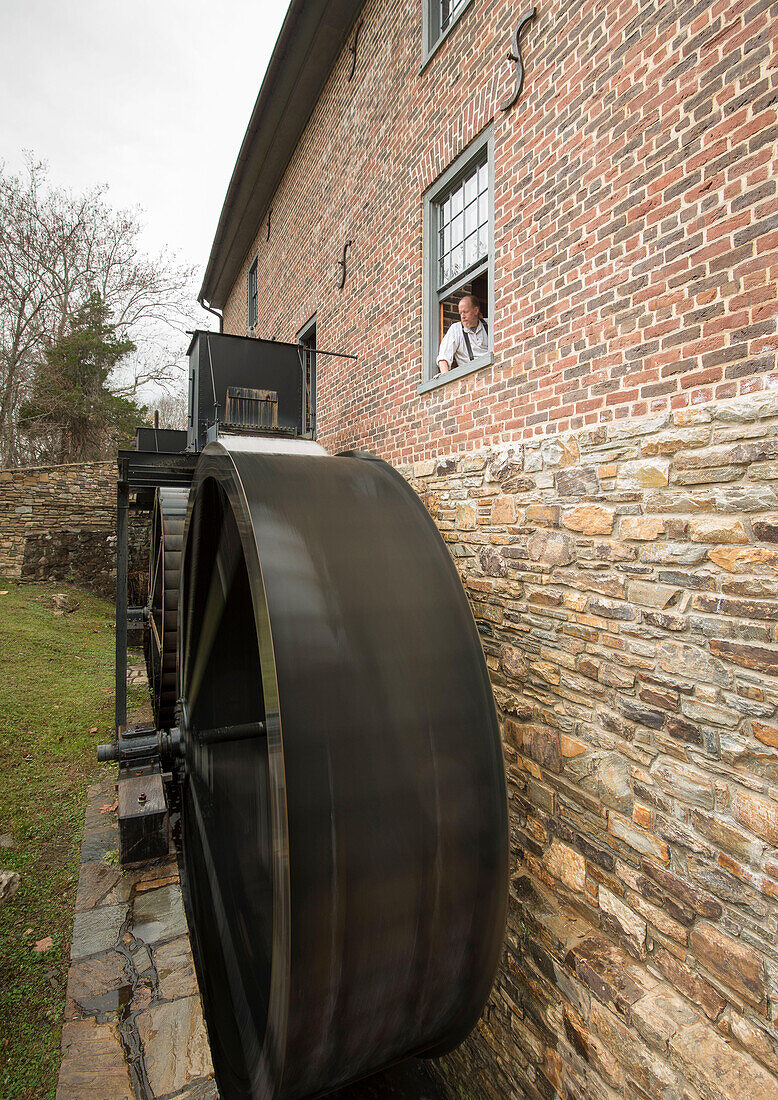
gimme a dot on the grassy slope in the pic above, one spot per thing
(56, 683)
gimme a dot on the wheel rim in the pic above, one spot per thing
(344, 809)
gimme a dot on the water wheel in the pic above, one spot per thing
(161, 635)
(344, 816)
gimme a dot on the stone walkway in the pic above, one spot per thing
(133, 1025)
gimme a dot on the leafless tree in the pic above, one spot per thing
(172, 409)
(56, 249)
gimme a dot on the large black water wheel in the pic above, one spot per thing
(161, 635)
(344, 806)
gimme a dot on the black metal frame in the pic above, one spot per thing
(138, 470)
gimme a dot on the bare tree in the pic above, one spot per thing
(172, 409)
(56, 250)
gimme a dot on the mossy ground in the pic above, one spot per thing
(56, 686)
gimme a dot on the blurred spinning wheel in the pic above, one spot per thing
(344, 817)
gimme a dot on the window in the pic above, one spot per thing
(253, 294)
(458, 251)
(439, 17)
(306, 337)
(448, 9)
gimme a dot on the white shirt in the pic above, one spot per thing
(454, 349)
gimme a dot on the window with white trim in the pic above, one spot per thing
(306, 338)
(439, 17)
(252, 294)
(458, 250)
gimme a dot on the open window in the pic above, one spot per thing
(306, 337)
(458, 252)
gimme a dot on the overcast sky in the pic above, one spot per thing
(151, 97)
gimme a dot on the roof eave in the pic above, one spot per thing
(308, 44)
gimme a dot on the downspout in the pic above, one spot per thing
(215, 312)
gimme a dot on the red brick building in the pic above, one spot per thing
(605, 475)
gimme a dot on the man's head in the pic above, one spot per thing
(469, 311)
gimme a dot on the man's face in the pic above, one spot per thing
(469, 313)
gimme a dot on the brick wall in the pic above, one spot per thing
(635, 219)
(606, 488)
(625, 582)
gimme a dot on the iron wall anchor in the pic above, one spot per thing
(342, 265)
(353, 49)
(515, 56)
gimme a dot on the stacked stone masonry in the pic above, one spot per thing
(58, 523)
(625, 583)
(38, 501)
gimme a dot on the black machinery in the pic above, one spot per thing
(322, 702)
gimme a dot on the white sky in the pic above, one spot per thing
(151, 97)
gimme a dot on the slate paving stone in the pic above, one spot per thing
(175, 1044)
(100, 884)
(204, 1089)
(159, 915)
(97, 843)
(96, 930)
(93, 1063)
(96, 986)
(175, 969)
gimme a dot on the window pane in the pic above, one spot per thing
(483, 209)
(463, 216)
(448, 9)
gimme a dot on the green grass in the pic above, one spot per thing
(56, 684)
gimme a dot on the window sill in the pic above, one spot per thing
(429, 52)
(458, 372)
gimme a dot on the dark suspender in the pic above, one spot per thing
(467, 339)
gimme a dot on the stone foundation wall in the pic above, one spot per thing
(59, 523)
(625, 583)
(40, 500)
(85, 558)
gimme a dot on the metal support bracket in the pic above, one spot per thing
(353, 49)
(342, 265)
(515, 56)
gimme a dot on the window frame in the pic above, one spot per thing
(429, 24)
(303, 335)
(253, 298)
(433, 197)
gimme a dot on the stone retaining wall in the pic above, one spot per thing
(59, 523)
(41, 500)
(625, 582)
